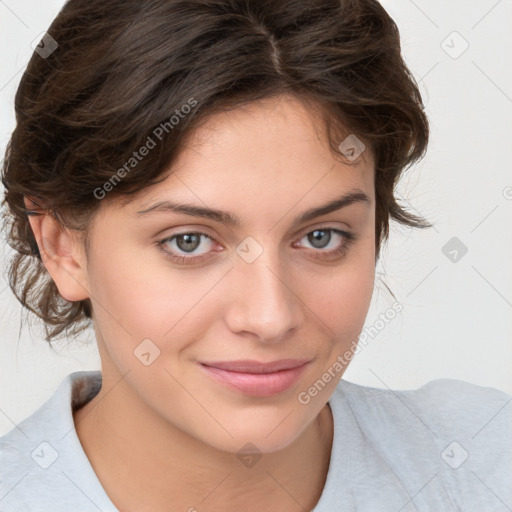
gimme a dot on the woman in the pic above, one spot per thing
(208, 185)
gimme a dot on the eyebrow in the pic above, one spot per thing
(353, 197)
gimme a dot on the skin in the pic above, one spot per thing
(167, 433)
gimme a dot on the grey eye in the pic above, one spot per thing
(188, 242)
(319, 238)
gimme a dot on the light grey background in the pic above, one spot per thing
(456, 320)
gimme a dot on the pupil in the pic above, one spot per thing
(317, 235)
(190, 242)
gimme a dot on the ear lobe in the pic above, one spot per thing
(61, 254)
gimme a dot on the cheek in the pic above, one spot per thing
(340, 308)
(137, 298)
(135, 289)
(341, 298)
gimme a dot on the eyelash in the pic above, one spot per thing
(350, 238)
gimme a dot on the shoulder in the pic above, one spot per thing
(22, 451)
(442, 399)
(41, 460)
(443, 407)
(452, 434)
(29, 447)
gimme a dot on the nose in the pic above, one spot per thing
(263, 301)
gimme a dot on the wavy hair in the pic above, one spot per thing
(121, 69)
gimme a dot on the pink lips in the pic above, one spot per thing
(255, 378)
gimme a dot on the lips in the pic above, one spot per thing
(255, 378)
(250, 366)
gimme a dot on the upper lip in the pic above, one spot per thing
(250, 366)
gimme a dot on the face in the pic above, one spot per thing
(172, 291)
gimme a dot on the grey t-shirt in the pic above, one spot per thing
(446, 446)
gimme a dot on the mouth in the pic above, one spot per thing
(255, 378)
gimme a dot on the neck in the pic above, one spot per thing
(144, 463)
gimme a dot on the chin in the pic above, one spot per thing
(269, 436)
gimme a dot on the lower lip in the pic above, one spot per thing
(257, 384)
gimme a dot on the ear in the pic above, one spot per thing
(61, 252)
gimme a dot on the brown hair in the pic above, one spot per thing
(125, 70)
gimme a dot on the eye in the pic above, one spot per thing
(186, 242)
(327, 245)
(326, 242)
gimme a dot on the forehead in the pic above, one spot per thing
(274, 150)
(282, 128)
